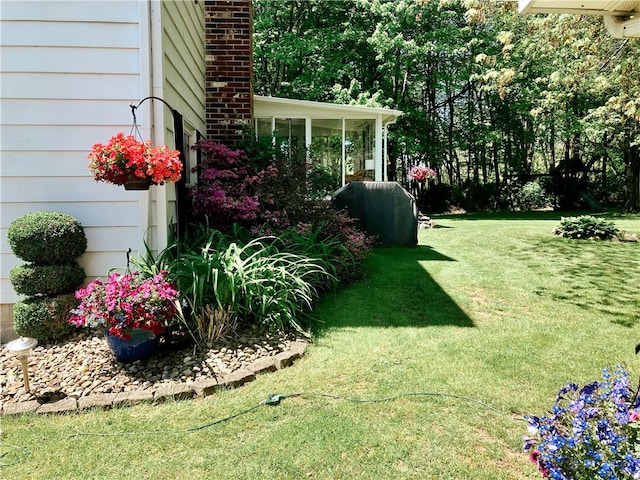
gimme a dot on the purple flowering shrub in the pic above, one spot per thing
(591, 432)
(226, 190)
(251, 187)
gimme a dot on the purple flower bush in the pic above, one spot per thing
(591, 432)
(226, 190)
(254, 187)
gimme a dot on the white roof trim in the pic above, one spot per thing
(621, 17)
(287, 107)
(617, 8)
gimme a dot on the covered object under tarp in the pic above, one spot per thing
(383, 209)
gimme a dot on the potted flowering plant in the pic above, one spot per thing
(134, 164)
(134, 309)
(420, 173)
(592, 432)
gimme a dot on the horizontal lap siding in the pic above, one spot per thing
(183, 60)
(118, 88)
(183, 72)
(69, 72)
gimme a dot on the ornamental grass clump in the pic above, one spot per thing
(124, 158)
(226, 283)
(127, 301)
(591, 432)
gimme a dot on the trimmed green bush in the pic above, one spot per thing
(50, 280)
(532, 195)
(44, 318)
(47, 238)
(586, 227)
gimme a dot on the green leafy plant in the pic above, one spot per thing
(225, 282)
(32, 279)
(277, 288)
(322, 181)
(586, 227)
(47, 238)
(532, 195)
(44, 318)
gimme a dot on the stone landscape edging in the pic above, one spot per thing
(201, 388)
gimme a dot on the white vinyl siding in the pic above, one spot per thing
(69, 72)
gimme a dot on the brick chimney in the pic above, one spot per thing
(228, 69)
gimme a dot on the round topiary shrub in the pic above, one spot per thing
(50, 280)
(47, 238)
(44, 318)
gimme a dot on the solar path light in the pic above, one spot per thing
(21, 348)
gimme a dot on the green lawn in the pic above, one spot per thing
(491, 310)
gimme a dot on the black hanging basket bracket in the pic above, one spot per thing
(181, 185)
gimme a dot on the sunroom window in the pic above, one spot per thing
(348, 140)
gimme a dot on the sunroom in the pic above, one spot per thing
(349, 140)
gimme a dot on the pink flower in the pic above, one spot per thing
(634, 416)
(421, 173)
(127, 301)
(534, 456)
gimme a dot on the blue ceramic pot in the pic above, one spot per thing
(142, 344)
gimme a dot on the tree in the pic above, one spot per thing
(490, 98)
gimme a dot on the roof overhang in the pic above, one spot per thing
(621, 17)
(289, 108)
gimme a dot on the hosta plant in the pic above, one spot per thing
(592, 432)
(586, 227)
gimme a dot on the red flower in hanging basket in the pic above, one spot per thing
(124, 158)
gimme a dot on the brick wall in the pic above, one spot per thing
(228, 68)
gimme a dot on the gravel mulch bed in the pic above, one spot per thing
(81, 365)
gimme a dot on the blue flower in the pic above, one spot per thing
(606, 471)
(591, 432)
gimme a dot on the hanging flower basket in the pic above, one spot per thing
(136, 183)
(134, 164)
